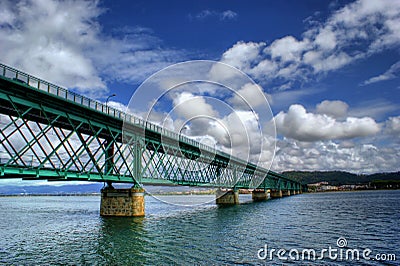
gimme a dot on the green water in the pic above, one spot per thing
(69, 230)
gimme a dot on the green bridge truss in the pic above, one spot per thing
(48, 132)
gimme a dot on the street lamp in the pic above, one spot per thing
(184, 128)
(108, 98)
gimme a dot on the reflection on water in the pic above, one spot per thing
(122, 241)
(69, 230)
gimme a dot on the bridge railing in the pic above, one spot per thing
(40, 84)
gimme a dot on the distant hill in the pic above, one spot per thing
(49, 189)
(27, 188)
(333, 177)
(339, 177)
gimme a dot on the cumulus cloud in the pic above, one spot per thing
(287, 49)
(250, 96)
(298, 124)
(307, 141)
(238, 132)
(392, 126)
(190, 106)
(117, 105)
(334, 109)
(48, 38)
(243, 54)
(358, 30)
(62, 41)
(330, 155)
(244, 132)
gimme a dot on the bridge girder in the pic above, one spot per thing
(49, 133)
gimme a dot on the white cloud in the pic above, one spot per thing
(228, 15)
(48, 38)
(391, 73)
(356, 31)
(330, 155)
(392, 126)
(243, 128)
(287, 49)
(62, 41)
(326, 39)
(298, 124)
(250, 96)
(334, 109)
(375, 21)
(190, 106)
(242, 54)
(265, 67)
(117, 105)
(222, 16)
(238, 132)
(323, 63)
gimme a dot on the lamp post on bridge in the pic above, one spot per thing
(108, 98)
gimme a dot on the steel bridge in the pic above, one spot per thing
(48, 132)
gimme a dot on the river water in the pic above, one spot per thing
(69, 231)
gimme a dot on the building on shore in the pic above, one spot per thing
(321, 186)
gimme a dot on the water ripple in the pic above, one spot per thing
(69, 231)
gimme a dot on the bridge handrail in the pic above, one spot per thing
(43, 85)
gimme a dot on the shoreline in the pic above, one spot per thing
(169, 193)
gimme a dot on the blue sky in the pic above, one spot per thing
(330, 69)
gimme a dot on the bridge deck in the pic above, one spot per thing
(66, 136)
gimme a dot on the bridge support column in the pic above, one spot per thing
(294, 192)
(122, 202)
(227, 197)
(109, 160)
(275, 194)
(259, 195)
(285, 193)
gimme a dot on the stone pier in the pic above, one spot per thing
(294, 192)
(122, 202)
(259, 195)
(285, 193)
(227, 197)
(275, 194)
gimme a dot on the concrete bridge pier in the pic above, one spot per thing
(122, 202)
(285, 193)
(293, 192)
(227, 197)
(275, 194)
(259, 195)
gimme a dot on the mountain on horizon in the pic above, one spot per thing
(80, 189)
(333, 177)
